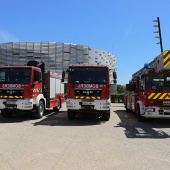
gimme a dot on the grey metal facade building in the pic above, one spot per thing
(56, 56)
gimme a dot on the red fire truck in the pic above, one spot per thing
(88, 90)
(29, 88)
(148, 92)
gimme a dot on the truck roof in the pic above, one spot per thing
(87, 65)
(159, 64)
(19, 67)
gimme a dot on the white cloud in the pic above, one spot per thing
(7, 37)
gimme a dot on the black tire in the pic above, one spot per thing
(40, 110)
(5, 114)
(127, 110)
(139, 117)
(71, 114)
(57, 108)
(106, 115)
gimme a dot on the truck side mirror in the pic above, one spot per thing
(141, 88)
(127, 87)
(114, 81)
(132, 86)
(63, 76)
(138, 81)
(37, 76)
(114, 75)
(76, 83)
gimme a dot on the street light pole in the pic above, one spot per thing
(159, 31)
(159, 27)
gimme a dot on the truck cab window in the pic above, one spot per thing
(37, 75)
(15, 75)
(89, 75)
(2, 76)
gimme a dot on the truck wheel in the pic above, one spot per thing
(127, 110)
(40, 110)
(106, 115)
(57, 108)
(71, 114)
(5, 114)
(139, 117)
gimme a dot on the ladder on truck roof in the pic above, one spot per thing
(160, 63)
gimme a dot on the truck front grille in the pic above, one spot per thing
(11, 92)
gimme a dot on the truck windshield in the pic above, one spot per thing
(15, 75)
(158, 81)
(89, 75)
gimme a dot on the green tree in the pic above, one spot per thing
(120, 88)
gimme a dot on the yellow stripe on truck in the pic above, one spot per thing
(159, 96)
(166, 56)
(88, 97)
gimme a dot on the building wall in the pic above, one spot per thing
(56, 56)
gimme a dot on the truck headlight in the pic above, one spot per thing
(106, 104)
(149, 109)
(69, 103)
(28, 103)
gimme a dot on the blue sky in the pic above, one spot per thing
(122, 27)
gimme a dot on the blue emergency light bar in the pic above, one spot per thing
(146, 65)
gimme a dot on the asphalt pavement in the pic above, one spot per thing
(87, 143)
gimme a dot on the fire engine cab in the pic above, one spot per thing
(88, 90)
(148, 92)
(29, 88)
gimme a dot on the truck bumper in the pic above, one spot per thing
(19, 104)
(156, 112)
(78, 104)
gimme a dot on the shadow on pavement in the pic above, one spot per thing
(60, 119)
(20, 117)
(55, 119)
(148, 129)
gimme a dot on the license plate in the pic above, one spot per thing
(87, 107)
(87, 103)
(84, 103)
(10, 107)
(11, 102)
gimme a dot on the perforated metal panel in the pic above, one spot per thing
(56, 56)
